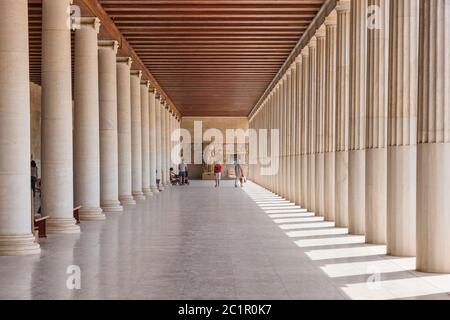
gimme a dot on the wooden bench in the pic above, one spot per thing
(76, 214)
(40, 225)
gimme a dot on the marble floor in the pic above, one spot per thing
(201, 242)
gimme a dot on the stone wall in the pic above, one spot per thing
(35, 112)
(220, 123)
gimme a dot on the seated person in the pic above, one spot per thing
(174, 178)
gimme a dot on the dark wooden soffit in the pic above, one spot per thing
(107, 31)
(212, 57)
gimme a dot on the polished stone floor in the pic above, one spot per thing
(201, 242)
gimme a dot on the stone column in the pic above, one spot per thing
(330, 117)
(299, 128)
(357, 123)
(168, 148)
(86, 121)
(124, 129)
(56, 118)
(304, 133)
(402, 128)
(109, 161)
(288, 140)
(312, 109)
(279, 127)
(342, 112)
(320, 121)
(282, 136)
(163, 144)
(152, 110)
(433, 150)
(145, 133)
(158, 141)
(16, 236)
(377, 99)
(136, 138)
(293, 134)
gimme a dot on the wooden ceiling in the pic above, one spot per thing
(211, 57)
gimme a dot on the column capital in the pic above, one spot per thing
(331, 20)
(305, 52)
(136, 73)
(321, 32)
(313, 42)
(109, 44)
(86, 22)
(343, 6)
(146, 83)
(126, 60)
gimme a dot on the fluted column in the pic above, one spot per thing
(330, 117)
(86, 125)
(433, 150)
(357, 123)
(168, 148)
(158, 140)
(136, 137)
(152, 110)
(163, 144)
(342, 111)
(402, 128)
(16, 237)
(109, 161)
(320, 121)
(288, 141)
(298, 132)
(312, 113)
(282, 120)
(377, 99)
(56, 118)
(293, 134)
(124, 130)
(304, 133)
(145, 133)
(160, 117)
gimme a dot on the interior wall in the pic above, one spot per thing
(35, 125)
(220, 123)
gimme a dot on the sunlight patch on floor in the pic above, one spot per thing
(347, 256)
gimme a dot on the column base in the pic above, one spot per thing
(127, 200)
(401, 200)
(62, 226)
(433, 207)
(154, 189)
(356, 192)
(111, 206)
(18, 245)
(148, 192)
(91, 214)
(138, 195)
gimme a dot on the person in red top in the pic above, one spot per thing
(218, 173)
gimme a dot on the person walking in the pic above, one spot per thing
(218, 173)
(34, 176)
(239, 174)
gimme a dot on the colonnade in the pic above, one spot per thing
(104, 145)
(364, 120)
